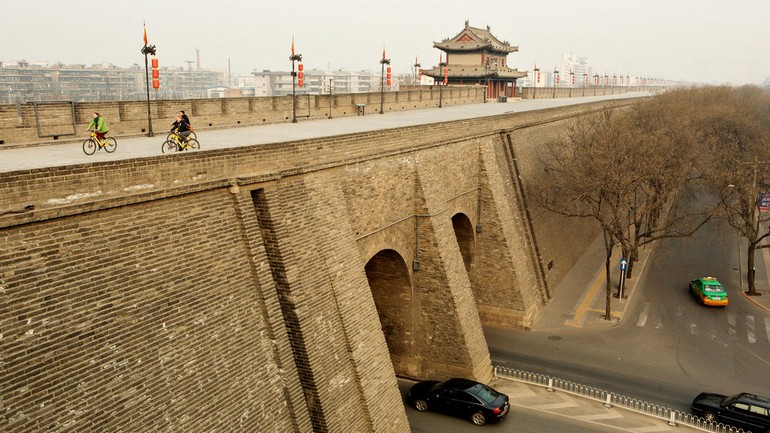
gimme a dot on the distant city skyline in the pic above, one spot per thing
(703, 41)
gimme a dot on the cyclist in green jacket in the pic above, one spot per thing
(99, 126)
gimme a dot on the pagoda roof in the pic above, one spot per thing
(475, 39)
(473, 71)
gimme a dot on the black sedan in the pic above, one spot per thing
(460, 397)
(746, 411)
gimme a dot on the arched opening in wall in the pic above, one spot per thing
(391, 288)
(465, 238)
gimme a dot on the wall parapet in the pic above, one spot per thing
(36, 123)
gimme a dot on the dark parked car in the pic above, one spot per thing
(460, 397)
(746, 411)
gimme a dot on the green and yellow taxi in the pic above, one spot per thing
(709, 291)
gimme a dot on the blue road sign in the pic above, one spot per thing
(623, 264)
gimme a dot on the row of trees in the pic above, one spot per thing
(664, 167)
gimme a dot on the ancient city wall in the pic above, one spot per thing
(226, 290)
(59, 121)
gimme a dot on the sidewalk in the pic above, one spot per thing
(586, 282)
(581, 409)
(585, 412)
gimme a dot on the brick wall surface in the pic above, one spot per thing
(137, 318)
(226, 290)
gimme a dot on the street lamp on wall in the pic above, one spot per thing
(555, 80)
(585, 82)
(294, 58)
(441, 67)
(537, 80)
(148, 50)
(383, 62)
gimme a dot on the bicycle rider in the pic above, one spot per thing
(181, 127)
(99, 126)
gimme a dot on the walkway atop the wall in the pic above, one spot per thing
(56, 155)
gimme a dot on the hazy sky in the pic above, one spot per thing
(707, 41)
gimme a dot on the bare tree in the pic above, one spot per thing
(735, 128)
(624, 170)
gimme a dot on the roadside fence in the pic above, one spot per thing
(609, 399)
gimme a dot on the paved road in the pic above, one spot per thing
(12, 159)
(662, 347)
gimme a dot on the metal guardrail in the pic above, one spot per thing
(609, 399)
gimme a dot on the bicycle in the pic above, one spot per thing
(192, 135)
(93, 143)
(177, 144)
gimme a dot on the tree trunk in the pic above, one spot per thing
(750, 269)
(607, 273)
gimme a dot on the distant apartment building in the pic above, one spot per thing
(316, 82)
(22, 82)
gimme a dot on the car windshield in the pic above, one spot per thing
(486, 394)
(714, 288)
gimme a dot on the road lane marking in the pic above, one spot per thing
(751, 330)
(643, 315)
(659, 321)
(588, 299)
(732, 322)
(693, 328)
(767, 328)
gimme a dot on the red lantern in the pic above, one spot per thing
(301, 75)
(155, 74)
(446, 75)
(388, 76)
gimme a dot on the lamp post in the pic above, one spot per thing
(534, 85)
(555, 79)
(585, 82)
(486, 79)
(294, 58)
(612, 86)
(383, 62)
(416, 72)
(571, 78)
(147, 50)
(596, 82)
(441, 67)
(604, 84)
(331, 91)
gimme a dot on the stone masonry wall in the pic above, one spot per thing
(225, 290)
(32, 123)
(143, 317)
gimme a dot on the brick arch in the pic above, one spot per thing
(393, 293)
(466, 239)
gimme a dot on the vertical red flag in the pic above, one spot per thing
(292, 45)
(383, 54)
(145, 34)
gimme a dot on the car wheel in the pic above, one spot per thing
(478, 418)
(421, 405)
(710, 416)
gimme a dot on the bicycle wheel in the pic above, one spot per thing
(194, 144)
(89, 146)
(168, 146)
(110, 144)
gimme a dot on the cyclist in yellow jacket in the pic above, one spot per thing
(99, 126)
